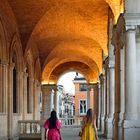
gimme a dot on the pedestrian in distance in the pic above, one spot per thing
(89, 130)
(52, 127)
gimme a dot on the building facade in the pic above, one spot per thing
(81, 100)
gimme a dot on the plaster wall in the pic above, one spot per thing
(81, 95)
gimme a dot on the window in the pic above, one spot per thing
(29, 94)
(14, 91)
(15, 84)
(83, 107)
(29, 108)
(83, 87)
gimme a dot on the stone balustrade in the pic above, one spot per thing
(70, 122)
(29, 129)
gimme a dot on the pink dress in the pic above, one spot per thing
(53, 134)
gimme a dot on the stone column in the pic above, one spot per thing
(1, 94)
(111, 102)
(56, 101)
(31, 85)
(99, 105)
(122, 92)
(36, 106)
(3, 86)
(130, 75)
(88, 96)
(103, 116)
(111, 93)
(20, 93)
(95, 92)
(47, 104)
(47, 100)
(10, 101)
(131, 122)
(25, 75)
(117, 92)
(107, 94)
(52, 100)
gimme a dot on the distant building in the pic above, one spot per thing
(81, 96)
(66, 103)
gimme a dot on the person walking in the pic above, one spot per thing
(89, 130)
(52, 127)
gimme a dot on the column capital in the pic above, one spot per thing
(49, 86)
(118, 36)
(131, 28)
(106, 63)
(3, 62)
(111, 66)
(92, 85)
(102, 77)
(31, 80)
(25, 74)
(37, 82)
(12, 65)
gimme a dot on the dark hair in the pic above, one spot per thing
(53, 119)
(89, 115)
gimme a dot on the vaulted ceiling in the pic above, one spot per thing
(69, 34)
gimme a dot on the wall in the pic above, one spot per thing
(81, 95)
(3, 126)
(16, 118)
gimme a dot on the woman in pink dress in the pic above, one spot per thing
(53, 126)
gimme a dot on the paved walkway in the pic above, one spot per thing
(72, 134)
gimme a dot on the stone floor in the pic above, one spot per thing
(72, 134)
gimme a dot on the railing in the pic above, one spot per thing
(33, 129)
(70, 121)
(29, 129)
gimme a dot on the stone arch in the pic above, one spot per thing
(30, 70)
(75, 70)
(16, 64)
(29, 64)
(90, 75)
(117, 7)
(92, 50)
(56, 62)
(37, 69)
(15, 47)
(87, 55)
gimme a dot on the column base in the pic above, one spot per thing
(103, 124)
(131, 130)
(109, 128)
(99, 123)
(116, 126)
(120, 126)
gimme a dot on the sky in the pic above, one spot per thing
(66, 81)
